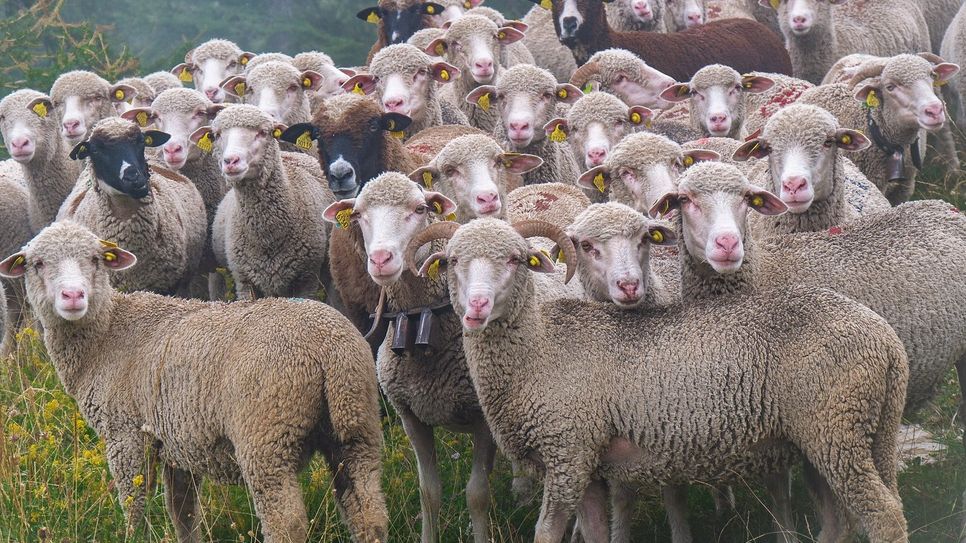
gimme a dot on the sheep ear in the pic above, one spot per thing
(245, 57)
(678, 92)
(426, 176)
(507, 35)
(14, 266)
(432, 8)
(394, 122)
(545, 4)
(520, 163)
(661, 235)
(278, 130)
(597, 178)
(869, 94)
(202, 138)
(123, 93)
(362, 84)
(482, 96)
(347, 71)
(664, 205)
(640, 115)
(851, 140)
(433, 265)
(568, 93)
(437, 47)
(235, 85)
(331, 213)
(41, 106)
(80, 151)
(370, 15)
(539, 262)
(214, 109)
(765, 202)
(770, 4)
(183, 72)
(441, 205)
(444, 72)
(301, 134)
(143, 116)
(557, 129)
(155, 138)
(754, 148)
(312, 80)
(117, 259)
(943, 72)
(693, 156)
(756, 83)
(519, 25)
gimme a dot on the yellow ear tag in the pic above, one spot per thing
(307, 82)
(119, 94)
(204, 143)
(636, 118)
(304, 141)
(936, 82)
(560, 256)
(428, 180)
(148, 141)
(240, 89)
(358, 90)
(450, 217)
(438, 207)
(440, 49)
(444, 75)
(243, 60)
(667, 207)
(40, 109)
(468, 4)
(546, 4)
(657, 236)
(430, 10)
(562, 94)
(484, 102)
(142, 118)
(871, 100)
(757, 201)
(19, 261)
(398, 134)
(534, 262)
(110, 256)
(501, 35)
(754, 147)
(107, 244)
(775, 4)
(688, 161)
(433, 270)
(647, 123)
(185, 75)
(372, 18)
(558, 135)
(599, 182)
(845, 139)
(277, 133)
(342, 218)
(683, 90)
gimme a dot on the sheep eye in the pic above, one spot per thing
(449, 172)
(293, 88)
(421, 209)
(890, 87)
(586, 246)
(828, 143)
(39, 264)
(548, 96)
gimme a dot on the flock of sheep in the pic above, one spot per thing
(727, 181)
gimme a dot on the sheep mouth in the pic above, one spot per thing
(22, 157)
(473, 323)
(931, 126)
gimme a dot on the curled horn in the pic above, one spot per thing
(865, 71)
(534, 228)
(933, 58)
(584, 74)
(437, 230)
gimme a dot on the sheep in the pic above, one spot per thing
(332, 77)
(954, 49)
(685, 14)
(398, 20)
(30, 129)
(819, 33)
(759, 107)
(288, 379)
(939, 15)
(162, 81)
(143, 94)
(609, 429)
(404, 80)
(637, 15)
(525, 98)
(716, 95)
(626, 76)
(122, 199)
(211, 63)
(742, 44)
(81, 99)
(276, 88)
(474, 171)
(16, 232)
(424, 37)
(556, 203)
(546, 49)
(595, 124)
(804, 168)
(892, 108)
(454, 9)
(273, 241)
(514, 53)
(262, 58)
(473, 44)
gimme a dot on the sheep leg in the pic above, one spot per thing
(779, 488)
(830, 511)
(621, 505)
(562, 489)
(522, 486)
(961, 375)
(478, 487)
(592, 513)
(130, 470)
(181, 500)
(278, 501)
(724, 500)
(356, 470)
(244, 291)
(430, 485)
(216, 287)
(676, 505)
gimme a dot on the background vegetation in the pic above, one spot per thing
(54, 483)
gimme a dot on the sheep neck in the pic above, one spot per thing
(410, 291)
(821, 215)
(700, 281)
(596, 34)
(432, 114)
(75, 346)
(50, 178)
(203, 171)
(814, 53)
(895, 133)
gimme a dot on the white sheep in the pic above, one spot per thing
(210, 63)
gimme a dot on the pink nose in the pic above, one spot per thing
(519, 126)
(629, 288)
(73, 295)
(799, 20)
(479, 303)
(210, 92)
(934, 110)
(694, 18)
(794, 184)
(485, 65)
(597, 155)
(726, 242)
(393, 104)
(488, 198)
(19, 143)
(719, 118)
(380, 258)
(173, 149)
(231, 161)
(71, 124)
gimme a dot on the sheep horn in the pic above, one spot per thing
(865, 71)
(438, 230)
(534, 228)
(584, 74)
(931, 57)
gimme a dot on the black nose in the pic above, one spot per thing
(570, 24)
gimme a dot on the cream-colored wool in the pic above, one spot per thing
(621, 16)
(547, 51)
(162, 81)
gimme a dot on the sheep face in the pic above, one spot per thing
(81, 99)
(404, 79)
(24, 119)
(717, 96)
(714, 199)
(389, 211)
(799, 17)
(613, 251)
(118, 158)
(65, 269)
(642, 88)
(906, 92)
(686, 13)
(179, 113)
(240, 150)
(399, 23)
(209, 73)
(332, 77)
(474, 44)
(276, 88)
(596, 123)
